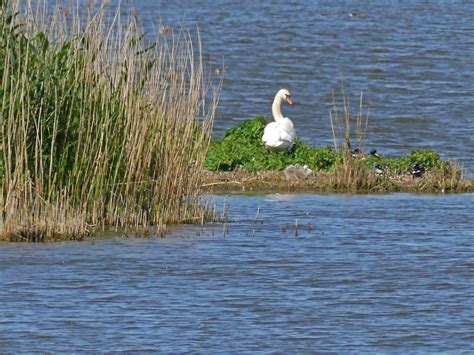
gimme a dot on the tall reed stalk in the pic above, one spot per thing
(350, 174)
(342, 122)
(99, 124)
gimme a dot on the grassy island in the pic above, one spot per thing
(239, 162)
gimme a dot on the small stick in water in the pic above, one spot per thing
(225, 211)
(257, 214)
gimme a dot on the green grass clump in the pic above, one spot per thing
(398, 165)
(242, 147)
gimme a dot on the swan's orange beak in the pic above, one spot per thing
(289, 100)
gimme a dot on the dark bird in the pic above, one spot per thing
(378, 169)
(417, 169)
(374, 153)
(357, 154)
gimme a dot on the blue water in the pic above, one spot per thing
(413, 60)
(359, 273)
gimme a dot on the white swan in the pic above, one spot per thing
(279, 135)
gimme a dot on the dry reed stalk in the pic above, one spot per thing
(109, 135)
(350, 174)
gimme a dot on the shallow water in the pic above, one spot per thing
(362, 273)
(414, 60)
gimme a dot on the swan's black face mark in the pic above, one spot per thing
(289, 100)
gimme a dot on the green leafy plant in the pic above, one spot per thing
(242, 147)
(398, 165)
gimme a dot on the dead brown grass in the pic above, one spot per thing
(329, 182)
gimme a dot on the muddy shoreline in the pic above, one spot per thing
(237, 182)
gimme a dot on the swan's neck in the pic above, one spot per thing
(276, 109)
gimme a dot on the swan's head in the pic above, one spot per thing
(284, 94)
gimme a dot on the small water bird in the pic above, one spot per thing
(417, 169)
(378, 169)
(373, 152)
(297, 171)
(358, 13)
(279, 135)
(359, 154)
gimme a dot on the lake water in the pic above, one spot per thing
(361, 273)
(414, 61)
(287, 273)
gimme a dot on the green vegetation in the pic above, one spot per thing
(242, 147)
(98, 124)
(428, 158)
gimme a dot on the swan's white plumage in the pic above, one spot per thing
(279, 135)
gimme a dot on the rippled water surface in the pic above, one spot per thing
(414, 60)
(287, 273)
(362, 273)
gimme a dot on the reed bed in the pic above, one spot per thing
(99, 123)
